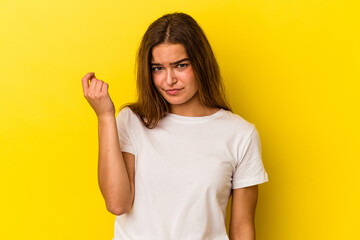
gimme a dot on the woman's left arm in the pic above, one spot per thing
(242, 224)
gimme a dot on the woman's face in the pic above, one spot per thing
(173, 76)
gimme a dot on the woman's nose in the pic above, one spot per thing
(171, 77)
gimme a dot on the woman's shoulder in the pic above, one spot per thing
(236, 121)
(126, 114)
(124, 111)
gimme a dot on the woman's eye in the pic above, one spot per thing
(155, 69)
(182, 65)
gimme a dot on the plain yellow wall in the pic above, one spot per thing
(290, 67)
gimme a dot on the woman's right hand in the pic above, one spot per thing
(97, 95)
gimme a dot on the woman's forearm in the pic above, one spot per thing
(112, 173)
(245, 232)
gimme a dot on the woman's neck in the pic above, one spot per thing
(199, 111)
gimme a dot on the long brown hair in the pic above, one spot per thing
(176, 28)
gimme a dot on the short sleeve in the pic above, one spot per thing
(123, 127)
(250, 169)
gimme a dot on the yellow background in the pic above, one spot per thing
(290, 67)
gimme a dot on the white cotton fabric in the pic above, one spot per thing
(185, 169)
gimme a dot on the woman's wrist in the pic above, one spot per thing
(106, 117)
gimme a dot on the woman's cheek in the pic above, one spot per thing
(156, 79)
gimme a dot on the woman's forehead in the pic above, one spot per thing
(167, 53)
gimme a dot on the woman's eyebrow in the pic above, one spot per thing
(174, 63)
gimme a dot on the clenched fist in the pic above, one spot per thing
(96, 93)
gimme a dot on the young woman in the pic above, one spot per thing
(169, 162)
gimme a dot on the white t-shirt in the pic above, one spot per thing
(185, 169)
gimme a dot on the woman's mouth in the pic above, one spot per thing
(173, 91)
